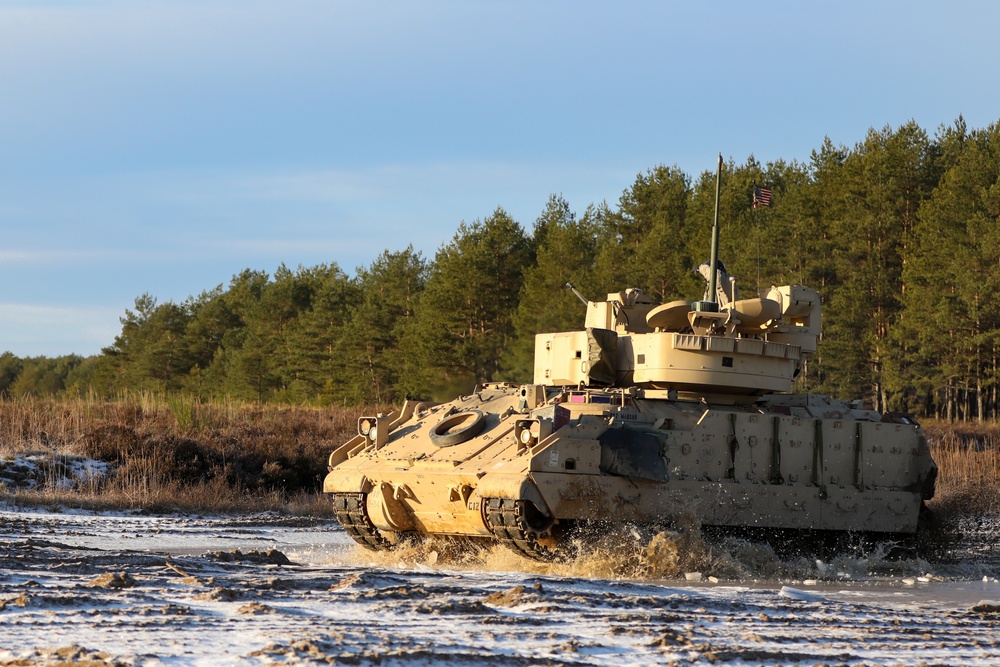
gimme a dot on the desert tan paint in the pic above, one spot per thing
(650, 414)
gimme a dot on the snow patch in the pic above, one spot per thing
(49, 470)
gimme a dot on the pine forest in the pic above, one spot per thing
(900, 234)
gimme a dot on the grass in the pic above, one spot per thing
(968, 459)
(177, 453)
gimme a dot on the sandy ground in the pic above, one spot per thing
(86, 589)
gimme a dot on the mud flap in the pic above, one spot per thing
(386, 510)
(513, 487)
(346, 481)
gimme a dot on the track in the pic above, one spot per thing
(517, 525)
(352, 513)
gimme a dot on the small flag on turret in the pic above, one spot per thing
(761, 196)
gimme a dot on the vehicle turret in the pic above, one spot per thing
(747, 347)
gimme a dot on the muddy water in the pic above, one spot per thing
(137, 590)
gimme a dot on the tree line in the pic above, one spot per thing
(899, 234)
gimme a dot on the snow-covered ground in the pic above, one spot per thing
(60, 471)
(81, 588)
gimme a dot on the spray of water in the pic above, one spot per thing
(624, 551)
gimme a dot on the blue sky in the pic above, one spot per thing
(162, 147)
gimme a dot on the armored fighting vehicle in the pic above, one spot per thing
(652, 413)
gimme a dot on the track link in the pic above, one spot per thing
(517, 525)
(352, 513)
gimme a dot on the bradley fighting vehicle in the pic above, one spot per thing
(649, 414)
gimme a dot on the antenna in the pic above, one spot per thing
(711, 305)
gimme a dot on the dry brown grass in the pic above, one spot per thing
(968, 459)
(179, 453)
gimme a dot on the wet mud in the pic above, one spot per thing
(113, 590)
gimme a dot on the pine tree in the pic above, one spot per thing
(465, 321)
(884, 180)
(150, 352)
(566, 250)
(387, 297)
(312, 366)
(644, 245)
(949, 331)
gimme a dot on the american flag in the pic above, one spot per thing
(761, 196)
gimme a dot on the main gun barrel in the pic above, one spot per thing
(579, 296)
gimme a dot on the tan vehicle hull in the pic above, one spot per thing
(544, 459)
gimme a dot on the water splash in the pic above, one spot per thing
(625, 551)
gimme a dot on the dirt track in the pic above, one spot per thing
(148, 591)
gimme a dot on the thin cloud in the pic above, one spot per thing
(29, 330)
